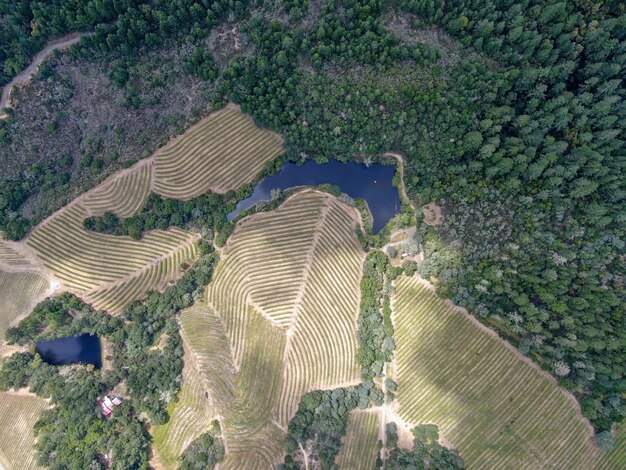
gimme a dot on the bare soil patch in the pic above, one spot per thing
(433, 215)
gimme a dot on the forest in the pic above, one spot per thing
(512, 119)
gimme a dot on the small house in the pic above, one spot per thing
(107, 404)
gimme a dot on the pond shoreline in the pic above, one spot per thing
(371, 183)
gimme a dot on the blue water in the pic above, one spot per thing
(371, 183)
(84, 348)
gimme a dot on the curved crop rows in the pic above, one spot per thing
(189, 417)
(300, 266)
(323, 345)
(280, 321)
(203, 332)
(243, 398)
(254, 440)
(222, 152)
(18, 414)
(496, 409)
(123, 194)
(84, 260)
(154, 276)
(358, 448)
(19, 292)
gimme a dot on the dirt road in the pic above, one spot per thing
(28, 72)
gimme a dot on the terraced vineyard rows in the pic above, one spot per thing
(496, 409)
(322, 348)
(18, 414)
(300, 266)
(358, 448)
(204, 334)
(108, 270)
(220, 153)
(243, 397)
(254, 440)
(84, 260)
(122, 195)
(189, 416)
(153, 277)
(258, 352)
(19, 292)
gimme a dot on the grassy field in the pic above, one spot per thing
(18, 414)
(280, 321)
(358, 449)
(220, 153)
(108, 270)
(495, 408)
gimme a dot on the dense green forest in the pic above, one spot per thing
(511, 115)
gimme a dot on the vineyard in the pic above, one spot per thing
(616, 459)
(220, 153)
(497, 409)
(111, 271)
(280, 321)
(358, 449)
(13, 257)
(18, 414)
(123, 194)
(22, 285)
(19, 293)
(192, 413)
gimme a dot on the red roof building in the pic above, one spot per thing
(108, 404)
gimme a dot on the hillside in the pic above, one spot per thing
(482, 327)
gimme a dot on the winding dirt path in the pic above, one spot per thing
(402, 188)
(26, 74)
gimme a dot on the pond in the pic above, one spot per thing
(84, 348)
(372, 183)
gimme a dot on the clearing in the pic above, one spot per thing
(25, 75)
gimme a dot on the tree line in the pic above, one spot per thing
(515, 126)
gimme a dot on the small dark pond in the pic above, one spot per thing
(84, 348)
(371, 183)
